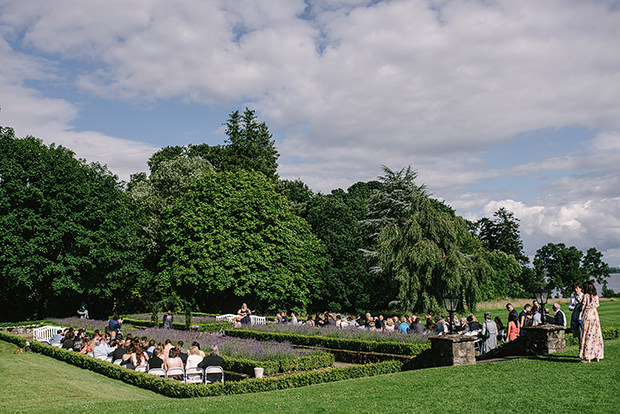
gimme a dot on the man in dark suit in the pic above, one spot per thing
(558, 317)
(213, 359)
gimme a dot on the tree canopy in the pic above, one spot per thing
(233, 237)
(66, 232)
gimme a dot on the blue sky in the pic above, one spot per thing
(495, 103)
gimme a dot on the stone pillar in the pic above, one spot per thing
(453, 349)
(544, 339)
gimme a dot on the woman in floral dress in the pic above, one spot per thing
(591, 335)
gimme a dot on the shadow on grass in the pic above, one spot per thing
(557, 358)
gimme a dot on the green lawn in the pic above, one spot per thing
(557, 383)
(609, 310)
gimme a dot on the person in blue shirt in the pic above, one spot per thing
(404, 326)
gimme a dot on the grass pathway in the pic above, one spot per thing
(555, 383)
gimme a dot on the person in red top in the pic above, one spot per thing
(513, 327)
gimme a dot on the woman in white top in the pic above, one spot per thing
(194, 358)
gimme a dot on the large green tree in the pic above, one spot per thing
(66, 233)
(430, 253)
(232, 237)
(502, 233)
(560, 266)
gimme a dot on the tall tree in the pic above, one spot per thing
(231, 237)
(66, 233)
(430, 253)
(502, 233)
(560, 267)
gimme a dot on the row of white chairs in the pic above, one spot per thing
(230, 317)
(192, 375)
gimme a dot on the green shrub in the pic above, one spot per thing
(609, 333)
(14, 339)
(203, 327)
(23, 323)
(397, 348)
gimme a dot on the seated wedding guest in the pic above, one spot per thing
(473, 323)
(173, 360)
(488, 334)
(182, 352)
(558, 317)
(67, 342)
(150, 348)
(430, 325)
(464, 325)
(120, 350)
(57, 338)
(293, 319)
(440, 325)
(197, 345)
(513, 327)
(417, 326)
(139, 356)
(389, 325)
(167, 347)
(156, 361)
(88, 347)
(194, 358)
(403, 328)
(102, 349)
(213, 359)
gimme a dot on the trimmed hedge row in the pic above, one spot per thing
(22, 323)
(178, 389)
(609, 333)
(246, 366)
(398, 348)
(14, 339)
(203, 327)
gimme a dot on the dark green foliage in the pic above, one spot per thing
(560, 267)
(232, 235)
(397, 348)
(67, 235)
(203, 327)
(505, 278)
(431, 253)
(502, 233)
(335, 219)
(14, 339)
(297, 193)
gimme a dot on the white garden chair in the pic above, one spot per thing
(157, 371)
(176, 374)
(214, 370)
(141, 368)
(194, 375)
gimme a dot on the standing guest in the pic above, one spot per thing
(513, 327)
(488, 334)
(558, 317)
(536, 315)
(525, 317)
(500, 329)
(244, 313)
(574, 305)
(213, 360)
(115, 324)
(168, 319)
(591, 335)
(512, 310)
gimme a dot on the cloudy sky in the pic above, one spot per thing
(495, 103)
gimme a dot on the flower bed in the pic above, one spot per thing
(334, 338)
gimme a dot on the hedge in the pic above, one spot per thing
(397, 348)
(609, 333)
(246, 366)
(14, 339)
(22, 323)
(176, 389)
(203, 327)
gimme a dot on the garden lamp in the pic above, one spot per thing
(451, 301)
(541, 296)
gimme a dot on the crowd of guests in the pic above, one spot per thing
(133, 351)
(491, 332)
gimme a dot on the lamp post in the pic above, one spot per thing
(541, 296)
(451, 301)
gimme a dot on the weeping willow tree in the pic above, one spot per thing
(431, 253)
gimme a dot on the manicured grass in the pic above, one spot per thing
(556, 383)
(609, 309)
